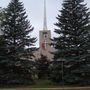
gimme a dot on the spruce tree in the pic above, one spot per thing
(1, 18)
(42, 66)
(72, 41)
(17, 30)
(17, 42)
(3, 50)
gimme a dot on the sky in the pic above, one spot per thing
(35, 10)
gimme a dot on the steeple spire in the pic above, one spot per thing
(45, 18)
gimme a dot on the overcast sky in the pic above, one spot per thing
(34, 9)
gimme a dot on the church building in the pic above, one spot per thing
(44, 40)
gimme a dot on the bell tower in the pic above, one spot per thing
(44, 37)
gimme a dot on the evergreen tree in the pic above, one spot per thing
(17, 29)
(42, 65)
(72, 41)
(17, 42)
(1, 18)
(2, 42)
(2, 47)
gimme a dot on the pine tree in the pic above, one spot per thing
(42, 66)
(1, 18)
(17, 43)
(72, 41)
(1, 38)
(17, 29)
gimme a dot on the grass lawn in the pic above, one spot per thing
(43, 85)
(68, 88)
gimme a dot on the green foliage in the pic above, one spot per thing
(55, 72)
(42, 65)
(71, 43)
(15, 43)
(2, 47)
(1, 14)
(16, 72)
(2, 10)
(17, 30)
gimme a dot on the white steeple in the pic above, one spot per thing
(45, 17)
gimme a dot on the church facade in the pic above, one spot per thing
(44, 45)
(44, 40)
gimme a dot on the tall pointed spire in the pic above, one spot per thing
(45, 18)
